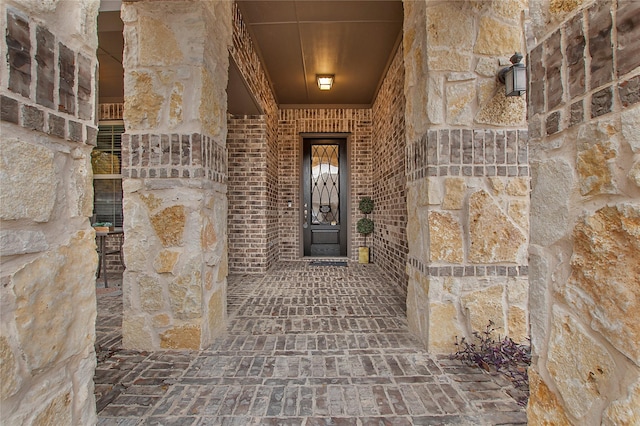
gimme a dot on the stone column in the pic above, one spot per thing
(174, 163)
(47, 246)
(467, 172)
(584, 123)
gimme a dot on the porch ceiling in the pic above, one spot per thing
(295, 39)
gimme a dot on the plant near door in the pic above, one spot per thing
(365, 227)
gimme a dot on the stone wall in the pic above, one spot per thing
(467, 172)
(354, 122)
(253, 166)
(174, 167)
(584, 63)
(388, 175)
(48, 252)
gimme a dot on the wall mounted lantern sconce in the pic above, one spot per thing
(514, 77)
(325, 81)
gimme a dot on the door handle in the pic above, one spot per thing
(305, 219)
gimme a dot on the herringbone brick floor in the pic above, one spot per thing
(306, 345)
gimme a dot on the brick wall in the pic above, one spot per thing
(388, 175)
(248, 195)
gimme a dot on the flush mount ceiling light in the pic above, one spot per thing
(514, 77)
(325, 81)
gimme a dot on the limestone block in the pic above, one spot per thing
(581, 376)
(519, 213)
(517, 326)
(151, 201)
(455, 190)
(595, 158)
(449, 60)
(58, 412)
(445, 238)
(502, 110)
(450, 25)
(485, 305)
(487, 67)
(11, 378)
(181, 337)
(630, 119)
(435, 100)
(634, 173)
(208, 237)
(563, 7)
(417, 305)
(185, 293)
(223, 267)
(539, 277)
(217, 313)
(176, 105)
(486, 90)
(605, 267)
(433, 191)
(58, 281)
(509, 9)
(32, 198)
(151, 294)
(161, 321)
(444, 326)
(497, 185)
(518, 291)
(135, 334)
(551, 186)
(417, 231)
(624, 411)
(142, 102)
(21, 241)
(80, 189)
(493, 237)
(166, 261)
(460, 101)
(169, 225)
(497, 38)
(213, 104)
(518, 187)
(544, 407)
(158, 43)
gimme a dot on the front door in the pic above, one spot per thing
(325, 191)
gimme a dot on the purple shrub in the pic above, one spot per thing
(502, 355)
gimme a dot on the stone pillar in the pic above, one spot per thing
(174, 164)
(47, 246)
(467, 172)
(584, 124)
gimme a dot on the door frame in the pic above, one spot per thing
(333, 135)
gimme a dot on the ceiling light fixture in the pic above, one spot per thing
(325, 81)
(514, 77)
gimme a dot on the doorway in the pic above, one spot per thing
(324, 197)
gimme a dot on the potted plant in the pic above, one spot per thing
(364, 227)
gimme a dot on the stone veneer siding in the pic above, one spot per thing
(467, 172)
(174, 167)
(47, 246)
(389, 176)
(354, 123)
(584, 127)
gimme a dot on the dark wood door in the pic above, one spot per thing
(325, 209)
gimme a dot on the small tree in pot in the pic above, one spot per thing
(364, 227)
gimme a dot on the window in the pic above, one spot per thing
(107, 177)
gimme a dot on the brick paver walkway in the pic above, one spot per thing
(306, 345)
